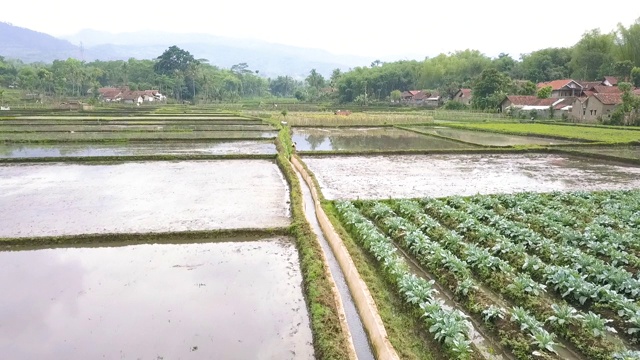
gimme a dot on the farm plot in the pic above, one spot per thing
(23, 150)
(547, 274)
(136, 197)
(131, 127)
(365, 139)
(124, 136)
(487, 138)
(223, 300)
(131, 121)
(406, 176)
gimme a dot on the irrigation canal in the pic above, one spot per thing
(358, 333)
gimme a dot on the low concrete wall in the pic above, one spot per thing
(359, 290)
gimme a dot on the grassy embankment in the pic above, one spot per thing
(330, 342)
(596, 134)
(408, 335)
(328, 119)
(123, 239)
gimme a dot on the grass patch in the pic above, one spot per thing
(140, 238)
(597, 134)
(355, 119)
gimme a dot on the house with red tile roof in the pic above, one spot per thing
(463, 96)
(527, 103)
(610, 81)
(563, 88)
(419, 97)
(595, 108)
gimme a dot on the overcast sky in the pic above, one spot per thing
(389, 30)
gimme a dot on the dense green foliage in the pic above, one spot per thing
(594, 56)
(564, 264)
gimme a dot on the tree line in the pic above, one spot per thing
(181, 76)
(595, 55)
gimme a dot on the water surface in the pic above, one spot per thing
(411, 176)
(23, 150)
(231, 300)
(55, 199)
(362, 139)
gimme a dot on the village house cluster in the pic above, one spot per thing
(579, 101)
(127, 96)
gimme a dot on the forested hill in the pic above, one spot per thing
(32, 46)
(270, 60)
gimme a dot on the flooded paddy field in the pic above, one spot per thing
(137, 149)
(489, 139)
(223, 300)
(136, 197)
(627, 152)
(362, 139)
(132, 121)
(134, 127)
(125, 135)
(133, 117)
(410, 176)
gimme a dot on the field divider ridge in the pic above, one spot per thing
(362, 297)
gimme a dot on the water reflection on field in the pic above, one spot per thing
(231, 300)
(362, 139)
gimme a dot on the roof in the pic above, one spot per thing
(131, 95)
(611, 80)
(590, 84)
(563, 103)
(606, 89)
(466, 93)
(420, 95)
(529, 100)
(557, 84)
(609, 99)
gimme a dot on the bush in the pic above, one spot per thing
(455, 105)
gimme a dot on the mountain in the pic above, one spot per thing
(32, 46)
(269, 59)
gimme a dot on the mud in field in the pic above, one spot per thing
(190, 301)
(354, 139)
(489, 139)
(134, 149)
(410, 176)
(70, 199)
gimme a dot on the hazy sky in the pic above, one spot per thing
(379, 29)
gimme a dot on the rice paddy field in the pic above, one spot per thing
(181, 233)
(488, 138)
(368, 139)
(185, 256)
